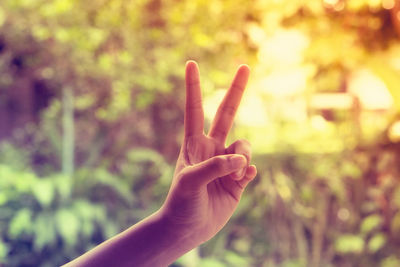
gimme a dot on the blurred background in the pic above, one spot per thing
(91, 116)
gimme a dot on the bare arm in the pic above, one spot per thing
(151, 242)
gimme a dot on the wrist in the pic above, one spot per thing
(184, 236)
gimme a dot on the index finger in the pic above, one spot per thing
(194, 116)
(225, 115)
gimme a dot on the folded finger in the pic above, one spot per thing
(242, 147)
(250, 175)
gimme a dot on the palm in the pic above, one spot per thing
(209, 207)
(218, 197)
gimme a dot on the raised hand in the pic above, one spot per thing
(209, 177)
(208, 182)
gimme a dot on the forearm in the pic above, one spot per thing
(151, 242)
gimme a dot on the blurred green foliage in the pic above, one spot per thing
(328, 189)
(58, 218)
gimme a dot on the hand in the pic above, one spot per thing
(209, 178)
(208, 182)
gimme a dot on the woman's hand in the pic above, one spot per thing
(209, 177)
(208, 182)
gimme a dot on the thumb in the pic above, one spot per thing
(205, 172)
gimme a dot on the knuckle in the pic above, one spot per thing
(193, 83)
(221, 133)
(237, 88)
(228, 110)
(244, 142)
(243, 147)
(218, 163)
(195, 104)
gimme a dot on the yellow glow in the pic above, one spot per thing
(343, 214)
(282, 186)
(256, 33)
(331, 2)
(282, 54)
(374, 4)
(318, 123)
(339, 6)
(212, 102)
(252, 110)
(371, 90)
(388, 4)
(284, 48)
(285, 82)
(331, 101)
(2, 16)
(395, 62)
(394, 132)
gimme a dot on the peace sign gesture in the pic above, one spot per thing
(205, 191)
(209, 177)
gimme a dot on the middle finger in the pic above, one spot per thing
(225, 115)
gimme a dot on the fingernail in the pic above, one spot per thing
(238, 161)
(190, 61)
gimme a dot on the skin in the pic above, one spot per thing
(206, 188)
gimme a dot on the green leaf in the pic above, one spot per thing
(44, 231)
(56, 7)
(395, 224)
(391, 261)
(63, 185)
(2, 16)
(43, 190)
(3, 250)
(349, 244)
(192, 258)
(210, 262)
(396, 197)
(85, 101)
(88, 214)
(105, 61)
(144, 154)
(294, 263)
(376, 242)
(370, 223)
(110, 229)
(351, 169)
(235, 259)
(68, 226)
(103, 177)
(3, 198)
(21, 222)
